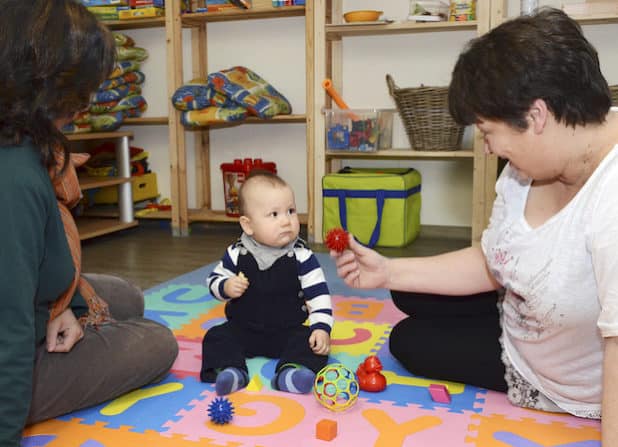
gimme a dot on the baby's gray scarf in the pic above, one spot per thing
(264, 255)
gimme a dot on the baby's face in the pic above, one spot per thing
(271, 210)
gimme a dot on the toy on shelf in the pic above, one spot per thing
(439, 393)
(338, 137)
(356, 129)
(234, 174)
(326, 430)
(220, 411)
(369, 376)
(334, 94)
(336, 387)
(337, 239)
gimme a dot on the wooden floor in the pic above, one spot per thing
(148, 254)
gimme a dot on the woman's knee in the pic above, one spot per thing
(125, 300)
(160, 350)
(404, 342)
(165, 342)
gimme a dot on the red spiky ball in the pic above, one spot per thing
(337, 239)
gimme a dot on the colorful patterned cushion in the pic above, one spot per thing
(197, 94)
(212, 115)
(123, 67)
(130, 102)
(132, 77)
(122, 40)
(106, 122)
(114, 94)
(249, 90)
(131, 53)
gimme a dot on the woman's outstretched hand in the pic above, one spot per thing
(361, 267)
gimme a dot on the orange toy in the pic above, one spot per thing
(326, 430)
(334, 94)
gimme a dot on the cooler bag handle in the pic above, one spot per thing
(379, 195)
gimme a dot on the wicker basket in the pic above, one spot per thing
(425, 116)
(614, 91)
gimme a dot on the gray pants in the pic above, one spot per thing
(106, 363)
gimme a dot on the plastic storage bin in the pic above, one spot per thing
(234, 175)
(143, 187)
(359, 130)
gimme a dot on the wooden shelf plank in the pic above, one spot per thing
(150, 22)
(595, 19)
(279, 119)
(336, 31)
(402, 154)
(89, 227)
(165, 215)
(88, 182)
(146, 121)
(98, 135)
(206, 215)
(257, 12)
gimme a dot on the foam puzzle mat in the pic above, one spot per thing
(174, 412)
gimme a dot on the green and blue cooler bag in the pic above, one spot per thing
(380, 207)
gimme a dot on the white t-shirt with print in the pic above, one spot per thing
(561, 285)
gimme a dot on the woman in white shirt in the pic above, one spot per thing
(534, 310)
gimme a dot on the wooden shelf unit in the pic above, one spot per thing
(150, 22)
(500, 9)
(259, 10)
(329, 33)
(324, 36)
(90, 227)
(181, 215)
(337, 31)
(146, 121)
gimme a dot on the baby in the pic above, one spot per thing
(271, 282)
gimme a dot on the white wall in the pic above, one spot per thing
(274, 48)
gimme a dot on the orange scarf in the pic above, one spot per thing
(66, 187)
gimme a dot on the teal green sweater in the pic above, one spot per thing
(35, 268)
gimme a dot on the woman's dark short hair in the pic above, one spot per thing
(54, 55)
(544, 56)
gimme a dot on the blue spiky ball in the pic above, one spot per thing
(220, 411)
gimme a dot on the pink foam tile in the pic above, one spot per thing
(497, 403)
(189, 360)
(276, 419)
(366, 309)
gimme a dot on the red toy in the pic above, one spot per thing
(369, 376)
(337, 239)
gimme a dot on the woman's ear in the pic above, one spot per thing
(245, 224)
(538, 113)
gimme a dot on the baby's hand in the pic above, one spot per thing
(319, 341)
(235, 286)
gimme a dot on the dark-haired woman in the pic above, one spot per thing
(68, 341)
(533, 311)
